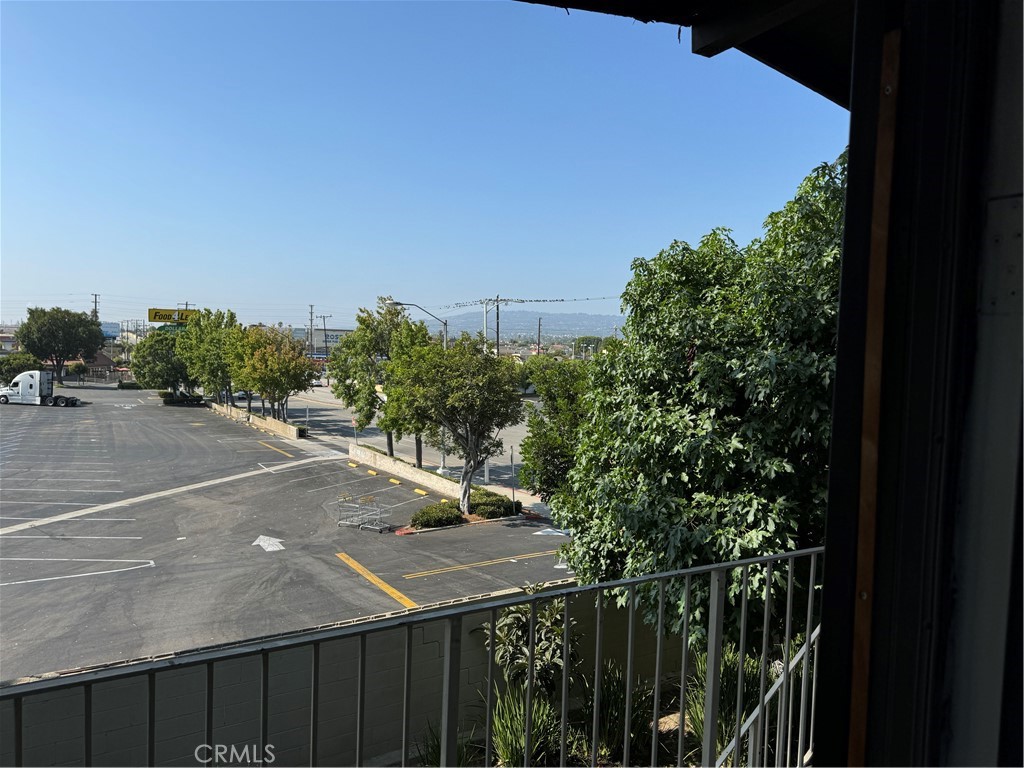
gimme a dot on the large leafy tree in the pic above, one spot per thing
(400, 419)
(708, 428)
(156, 364)
(202, 345)
(59, 335)
(17, 362)
(358, 363)
(271, 363)
(550, 444)
(463, 390)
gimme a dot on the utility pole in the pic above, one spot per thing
(324, 318)
(310, 347)
(497, 326)
(538, 335)
(95, 306)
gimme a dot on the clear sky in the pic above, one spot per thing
(265, 156)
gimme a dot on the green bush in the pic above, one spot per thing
(437, 515)
(490, 505)
(128, 385)
(509, 729)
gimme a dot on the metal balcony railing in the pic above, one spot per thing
(712, 665)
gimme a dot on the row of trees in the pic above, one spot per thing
(456, 397)
(217, 353)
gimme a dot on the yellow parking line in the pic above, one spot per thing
(376, 580)
(420, 491)
(467, 566)
(268, 445)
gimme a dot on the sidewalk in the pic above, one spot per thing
(503, 477)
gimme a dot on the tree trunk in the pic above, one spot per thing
(419, 451)
(465, 485)
(391, 444)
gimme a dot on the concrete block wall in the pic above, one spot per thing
(265, 423)
(435, 482)
(54, 722)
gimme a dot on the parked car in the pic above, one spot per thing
(242, 395)
(317, 383)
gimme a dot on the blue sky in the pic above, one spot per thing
(265, 156)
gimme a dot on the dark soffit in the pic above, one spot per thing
(809, 41)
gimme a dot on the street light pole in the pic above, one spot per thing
(444, 327)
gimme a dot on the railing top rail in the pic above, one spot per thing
(362, 626)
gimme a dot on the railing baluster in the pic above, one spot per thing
(488, 733)
(151, 720)
(740, 677)
(360, 697)
(209, 704)
(531, 648)
(314, 707)
(762, 723)
(87, 712)
(19, 744)
(657, 674)
(450, 691)
(683, 671)
(814, 697)
(566, 660)
(406, 694)
(781, 749)
(264, 701)
(599, 632)
(804, 677)
(716, 609)
(627, 728)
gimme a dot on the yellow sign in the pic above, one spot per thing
(171, 315)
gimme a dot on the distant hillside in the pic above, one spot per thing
(520, 322)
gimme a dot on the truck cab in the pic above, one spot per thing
(34, 388)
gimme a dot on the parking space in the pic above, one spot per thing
(129, 529)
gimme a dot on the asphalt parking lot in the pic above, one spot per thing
(129, 529)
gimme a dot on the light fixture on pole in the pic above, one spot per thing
(444, 326)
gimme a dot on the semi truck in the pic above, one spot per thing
(34, 388)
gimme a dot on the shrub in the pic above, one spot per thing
(490, 505)
(128, 385)
(437, 515)
(509, 729)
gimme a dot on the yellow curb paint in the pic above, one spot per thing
(420, 491)
(268, 445)
(467, 566)
(371, 472)
(396, 482)
(376, 580)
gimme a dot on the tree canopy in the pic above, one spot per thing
(467, 392)
(550, 444)
(271, 363)
(18, 362)
(59, 335)
(707, 432)
(358, 363)
(202, 346)
(156, 364)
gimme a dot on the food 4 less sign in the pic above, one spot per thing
(171, 315)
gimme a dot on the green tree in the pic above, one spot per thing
(156, 364)
(399, 420)
(270, 362)
(58, 335)
(357, 364)
(550, 445)
(708, 433)
(18, 362)
(202, 345)
(470, 394)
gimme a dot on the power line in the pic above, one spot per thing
(498, 300)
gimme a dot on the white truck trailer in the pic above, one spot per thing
(34, 388)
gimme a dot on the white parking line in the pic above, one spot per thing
(48, 490)
(44, 503)
(32, 536)
(35, 468)
(147, 497)
(82, 520)
(141, 564)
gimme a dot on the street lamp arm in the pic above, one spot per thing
(444, 323)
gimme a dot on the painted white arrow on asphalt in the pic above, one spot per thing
(268, 543)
